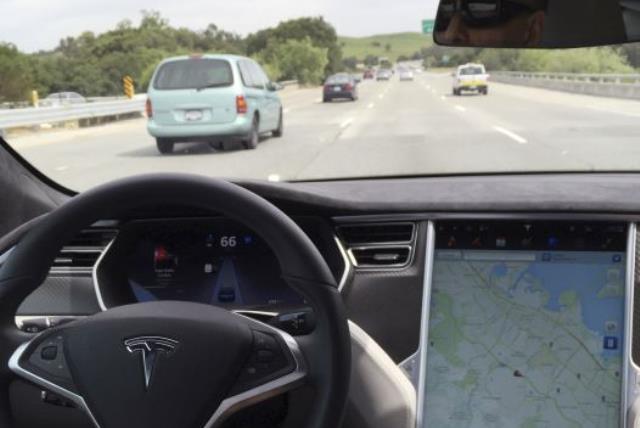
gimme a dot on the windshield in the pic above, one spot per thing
(193, 73)
(284, 90)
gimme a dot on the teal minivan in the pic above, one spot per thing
(212, 99)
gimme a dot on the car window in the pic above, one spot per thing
(470, 71)
(259, 77)
(339, 79)
(193, 73)
(246, 73)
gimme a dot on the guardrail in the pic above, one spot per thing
(621, 79)
(25, 117)
(606, 85)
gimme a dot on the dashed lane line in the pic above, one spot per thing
(517, 138)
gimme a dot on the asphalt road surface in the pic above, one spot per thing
(395, 128)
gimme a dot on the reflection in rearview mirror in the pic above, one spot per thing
(537, 23)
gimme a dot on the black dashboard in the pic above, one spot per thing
(388, 254)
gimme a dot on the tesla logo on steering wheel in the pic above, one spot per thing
(150, 347)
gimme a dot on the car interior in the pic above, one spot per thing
(181, 300)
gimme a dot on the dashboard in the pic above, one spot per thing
(500, 306)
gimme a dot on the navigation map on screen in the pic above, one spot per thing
(525, 339)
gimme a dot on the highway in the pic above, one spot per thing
(395, 128)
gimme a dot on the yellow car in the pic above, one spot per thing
(470, 77)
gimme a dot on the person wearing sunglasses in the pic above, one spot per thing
(505, 23)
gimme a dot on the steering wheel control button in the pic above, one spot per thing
(47, 359)
(295, 323)
(269, 360)
(49, 353)
(265, 356)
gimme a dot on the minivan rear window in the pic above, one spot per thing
(194, 73)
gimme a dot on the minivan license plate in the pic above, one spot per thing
(193, 115)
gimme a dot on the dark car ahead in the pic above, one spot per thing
(340, 86)
(369, 74)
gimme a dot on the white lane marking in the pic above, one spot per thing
(460, 108)
(381, 96)
(273, 177)
(518, 139)
(318, 100)
(371, 105)
(443, 98)
(346, 123)
(62, 168)
(287, 110)
(564, 152)
(428, 86)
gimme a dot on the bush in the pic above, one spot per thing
(294, 60)
(15, 82)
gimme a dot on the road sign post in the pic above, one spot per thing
(129, 89)
(428, 25)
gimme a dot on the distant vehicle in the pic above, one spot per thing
(405, 75)
(470, 77)
(340, 85)
(357, 78)
(64, 98)
(369, 74)
(384, 74)
(212, 99)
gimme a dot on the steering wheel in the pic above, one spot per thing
(175, 364)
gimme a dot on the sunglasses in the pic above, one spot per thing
(479, 13)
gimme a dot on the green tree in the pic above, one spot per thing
(294, 59)
(350, 63)
(15, 81)
(316, 29)
(371, 61)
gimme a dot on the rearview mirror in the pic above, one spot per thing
(536, 23)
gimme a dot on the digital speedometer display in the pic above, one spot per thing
(212, 261)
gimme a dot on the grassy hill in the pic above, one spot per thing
(400, 43)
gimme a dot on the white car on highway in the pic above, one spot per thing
(470, 77)
(406, 75)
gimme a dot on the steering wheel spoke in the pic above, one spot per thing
(42, 361)
(276, 365)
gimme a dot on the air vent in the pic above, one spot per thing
(83, 251)
(379, 245)
(93, 238)
(382, 233)
(381, 257)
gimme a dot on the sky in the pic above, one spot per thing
(34, 25)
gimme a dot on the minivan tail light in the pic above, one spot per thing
(241, 105)
(149, 109)
(349, 86)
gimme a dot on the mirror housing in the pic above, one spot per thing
(274, 86)
(537, 23)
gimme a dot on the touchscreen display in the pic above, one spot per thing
(526, 326)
